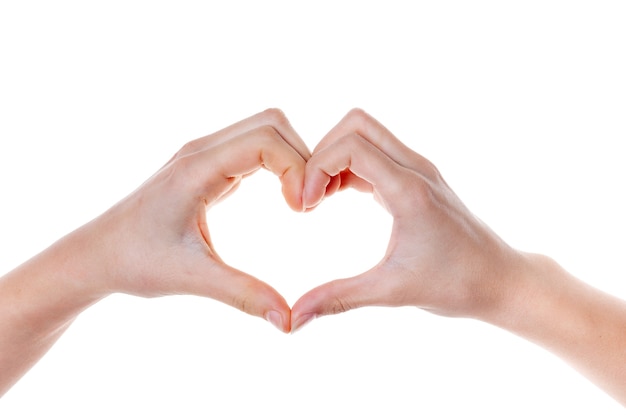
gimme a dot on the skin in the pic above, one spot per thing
(443, 259)
(440, 257)
(155, 242)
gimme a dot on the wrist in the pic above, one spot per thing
(546, 305)
(39, 300)
(52, 288)
(525, 293)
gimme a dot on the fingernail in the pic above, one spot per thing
(302, 321)
(276, 319)
(304, 201)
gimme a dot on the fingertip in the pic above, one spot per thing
(248, 294)
(308, 307)
(314, 189)
(279, 321)
(293, 199)
(293, 183)
(301, 321)
(306, 200)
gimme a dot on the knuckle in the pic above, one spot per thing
(429, 170)
(338, 300)
(423, 195)
(243, 302)
(352, 141)
(340, 305)
(275, 117)
(358, 119)
(267, 135)
(176, 175)
(358, 114)
(179, 169)
(188, 148)
(413, 192)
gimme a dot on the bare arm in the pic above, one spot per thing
(154, 242)
(443, 259)
(579, 323)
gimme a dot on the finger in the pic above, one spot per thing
(337, 297)
(223, 283)
(349, 180)
(360, 122)
(270, 117)
(344, 180)
(359, 156)
(216, 169)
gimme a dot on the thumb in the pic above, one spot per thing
(242, 291)
(336, 297)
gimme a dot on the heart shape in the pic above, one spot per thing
(358, 153)
(294, 252)
(433, 235)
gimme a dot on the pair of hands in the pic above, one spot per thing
(440, 257)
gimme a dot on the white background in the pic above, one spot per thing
(521, 105)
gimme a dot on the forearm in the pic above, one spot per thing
(38, 301)
(579, 323)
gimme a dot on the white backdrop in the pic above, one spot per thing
(520, 104)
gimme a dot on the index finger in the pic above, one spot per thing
(352, 152)
(270, 117)
(263, 147)
(360, 122)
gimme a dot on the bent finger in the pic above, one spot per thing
(354, 153)
(270, 117)
(360, 122)
(215, 169)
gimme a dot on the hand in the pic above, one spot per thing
(154, 242)
(440, 257)
(158, 236)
